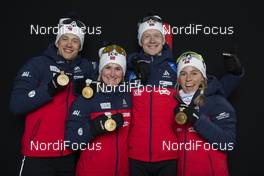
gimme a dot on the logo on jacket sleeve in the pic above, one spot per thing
(26, 74)
(106, 105)
(76, 113)
(222, 115)
(32, 93)
(80, 131)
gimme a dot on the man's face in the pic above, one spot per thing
(152, 42)
(68, 46)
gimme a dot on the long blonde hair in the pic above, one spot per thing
(200, 99)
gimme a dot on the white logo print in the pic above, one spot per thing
(222, 115)
(26, 74)
(76, 112)
(80, 131)
(54, 68)
(166, 74)
(164, 91)
(77, 69)
(32, 93)
(137, 92)
(124, 103)
(105, 105)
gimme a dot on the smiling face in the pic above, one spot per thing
(68, 46)
(112, 74)
(190, 79)
(152, 42)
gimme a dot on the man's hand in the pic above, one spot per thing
(142, 70)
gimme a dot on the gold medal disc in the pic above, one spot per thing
(181, 118)
(63, 79)
(110, 124)
(87, 92)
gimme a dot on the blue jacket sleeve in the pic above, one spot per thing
(92, 70)
(229, 83)
(220, 127)
(78, 129)
(29, 92)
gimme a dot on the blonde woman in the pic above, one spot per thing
(205, 121)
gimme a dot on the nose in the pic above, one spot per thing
(152, 39)
(188, 77)
(69, 43)
(112, 73)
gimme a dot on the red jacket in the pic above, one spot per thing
(196, 159)
(44, 128)
(104, 154)
(152, 112)
(152, 125)
(107, 154)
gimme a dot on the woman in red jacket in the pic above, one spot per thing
(205, 121)
(105, 117)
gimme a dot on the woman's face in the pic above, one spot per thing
(112, 74)
(190, 79)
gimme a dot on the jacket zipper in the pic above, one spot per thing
(67, 109)
(116, 168)
(150, 129)
(184, 151)
(150, 124)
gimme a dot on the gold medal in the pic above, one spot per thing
(181, 117)
(62, 79)
(110, 124)
(87, 92)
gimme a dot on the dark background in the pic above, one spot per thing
(118, 21)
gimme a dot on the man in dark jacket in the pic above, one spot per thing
(44, 89)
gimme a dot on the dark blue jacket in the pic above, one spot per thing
(37, 72)
(105, 154)
(46, 115)
(217, 122)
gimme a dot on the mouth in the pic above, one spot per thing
(152, 46)
(68, 50)
(189, 86)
